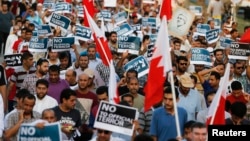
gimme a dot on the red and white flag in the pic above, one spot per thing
(159, 66)
(113, 91)
(105, 54)
(166, 9)
(89, 6)
(216, 111)
(100, 40)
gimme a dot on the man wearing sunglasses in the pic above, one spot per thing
(104, 135)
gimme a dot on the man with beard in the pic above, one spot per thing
(56, 84)
(182, 66)
(29, 82)
(86, 101)
(133, 86)
(113, 41)
(43, 101)
(24, 115)
(93, 60)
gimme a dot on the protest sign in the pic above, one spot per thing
(201, 29)
(50, 132)
(120, 17)
(140, 64)
(150, 51)
(200, 56)
(109, 3)
(105, 14)
(123, 30)
(62, 43)
(37, 44)
(225, 42)
(180, 23)
(217, 23)
(136, 27)
(59, 20)
(83, 33)
(34, 33)
(63, 7)
(149, 1)
(13, 60)
(153, 38)
(151, 22)
(49, 4)
(116, 118)
(197, 10)
(132, 44)
(80, 11)
(44, 30)
(239, 51)
(212, 36)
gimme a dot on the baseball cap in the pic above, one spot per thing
(186, 81)
(89, 72)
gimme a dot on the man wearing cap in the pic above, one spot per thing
(190, 99)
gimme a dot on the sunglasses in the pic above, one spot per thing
(103, 131)
(183, 64)
(240, 68)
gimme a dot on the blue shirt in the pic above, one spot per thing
(191, 103)
(163, 124)
(207, 88)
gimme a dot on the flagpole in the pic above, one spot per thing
(175, 104)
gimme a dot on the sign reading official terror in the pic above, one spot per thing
(37, 44)
(50, 132)
(62, 43)
(120, 17)
(239, 51)
(59, 20)
(130, 43)
(13, 60)
(200, 56)
(44, 30)
(213, 35)
(116, 118)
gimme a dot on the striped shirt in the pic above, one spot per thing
(19, 75)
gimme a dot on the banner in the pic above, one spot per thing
(239, 51)
(50, 132)
(151, 22)
(197, 10)
(213, 36)
(59, 20)
(109, 3)
(180, 23)
(225, 42)
(37, 44)
(105, 14)
(149, 1)
(132, 44)
(44, 30)
(136, 27)
(120, 17)
(49, 4)
(200, 56)
(150, 51)
(140, 64)
(123, 30)
(116, 118)
(80, 11)
(153, 38)
(13, 60)
(62, 43)
(202, 29)
(83, 33)
(63, 7)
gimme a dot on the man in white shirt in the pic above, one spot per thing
(43, 101)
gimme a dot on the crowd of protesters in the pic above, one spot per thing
(68, 86)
